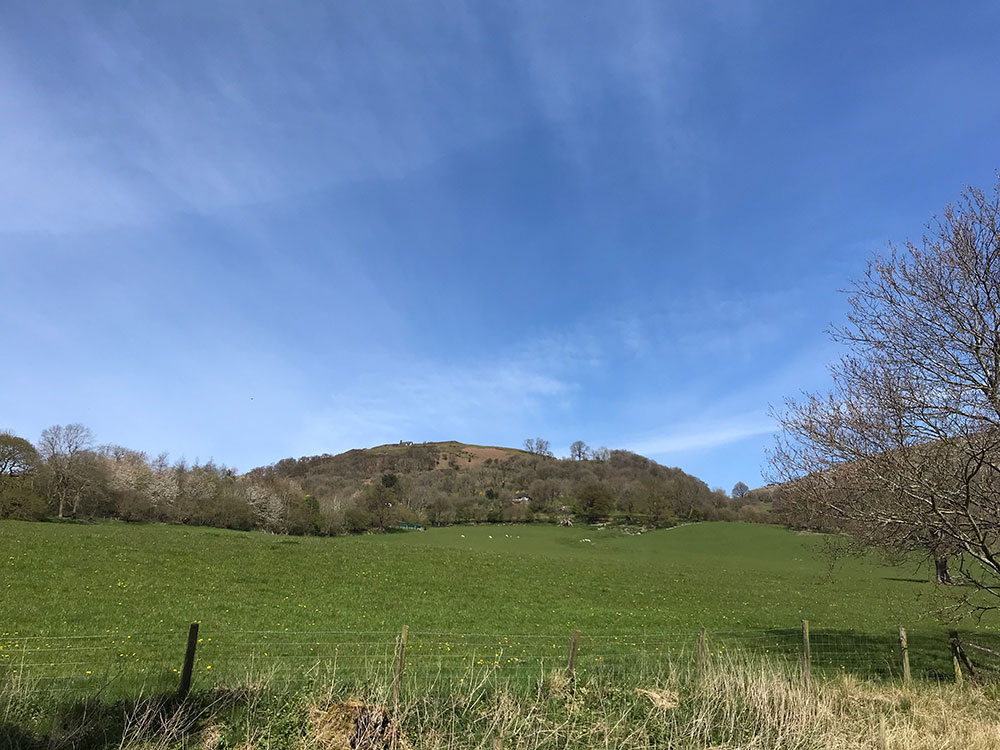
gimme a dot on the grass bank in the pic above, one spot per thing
(736, 703)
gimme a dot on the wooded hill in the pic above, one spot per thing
(70, 477)
(451, 482)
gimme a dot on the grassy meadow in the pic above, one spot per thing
(94, 618)
(86, 579)
(81, 601)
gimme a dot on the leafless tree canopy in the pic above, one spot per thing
(65, 450)
(538, 446)
(65, 441)
(905, 450)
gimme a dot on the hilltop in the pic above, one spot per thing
(402, 457)
(453, 482)
(379, 488)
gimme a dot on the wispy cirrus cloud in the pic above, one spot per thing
(263, 105)
(699, 436)
(119, 129)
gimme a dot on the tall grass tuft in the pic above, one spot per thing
(734, 703)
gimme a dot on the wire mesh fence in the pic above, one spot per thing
(82, 663)
(117, 663)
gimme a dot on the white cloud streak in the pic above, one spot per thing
(123, 127)
(700, 436)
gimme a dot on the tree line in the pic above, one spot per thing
(67, 475)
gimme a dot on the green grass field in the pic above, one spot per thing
(79, 600)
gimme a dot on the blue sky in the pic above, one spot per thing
(247, 231)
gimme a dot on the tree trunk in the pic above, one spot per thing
(941, 574)
(61, 494)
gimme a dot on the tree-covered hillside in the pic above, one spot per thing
(443, 483)
(69, 476)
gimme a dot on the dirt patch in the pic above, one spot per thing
(352, 725)
(480, 453)
(471, 455)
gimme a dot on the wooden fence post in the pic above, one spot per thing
(188, 668)
(953, 643)
(571, 664)
(905, 654)
(806, 653)
(397, 680)
(959, 657)
(400, 662)
(699, 665)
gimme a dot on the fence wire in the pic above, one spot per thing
(152, 661)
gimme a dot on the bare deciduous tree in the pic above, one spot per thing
(538, 446)
(740, 489)
(64, 447)
(579, 451)
(904, 452)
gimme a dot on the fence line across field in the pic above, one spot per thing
(443, 654)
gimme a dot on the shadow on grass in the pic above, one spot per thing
(39, 721)
(92, 724)
(871, 656)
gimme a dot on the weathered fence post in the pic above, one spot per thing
(188, 668)
(571, 663)
(905, 654)
(699, 664)
(397, 680)
(400, 661)
(953, 643)
(806, 653)
(959, 657)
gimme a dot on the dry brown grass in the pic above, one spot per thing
(734, 705)
(757, 706)
(352, 724)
